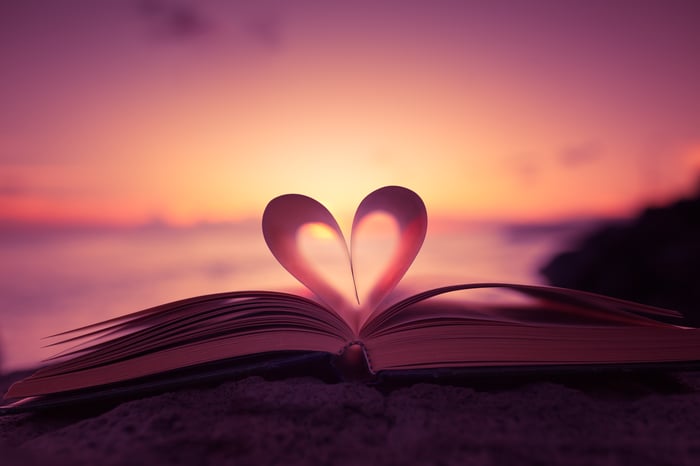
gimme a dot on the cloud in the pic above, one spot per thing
(11, 188)
(17, 187)
(691, 157)
(575, 156)
(183, 20)
(10, 158)
(524, 166)
(265, 30)
(178, 20)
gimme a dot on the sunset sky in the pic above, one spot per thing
(122, 112)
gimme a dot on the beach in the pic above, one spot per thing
(613, 420)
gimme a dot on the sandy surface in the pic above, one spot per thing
(619, 419)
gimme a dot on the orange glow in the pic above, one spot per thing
(334, 103)
(319, 231)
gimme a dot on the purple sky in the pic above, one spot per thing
(121, 111)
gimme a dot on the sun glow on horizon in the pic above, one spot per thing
(485, 112)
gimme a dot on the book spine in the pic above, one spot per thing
(353, 362)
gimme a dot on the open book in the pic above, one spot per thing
(446, 327)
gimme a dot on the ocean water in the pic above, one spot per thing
(52, 281)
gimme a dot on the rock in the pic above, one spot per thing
(298, 421)
(653, 259)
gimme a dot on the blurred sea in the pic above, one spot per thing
(56, 280)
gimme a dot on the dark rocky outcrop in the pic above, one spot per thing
(652, 259)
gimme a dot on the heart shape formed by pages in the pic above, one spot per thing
(285, 215)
